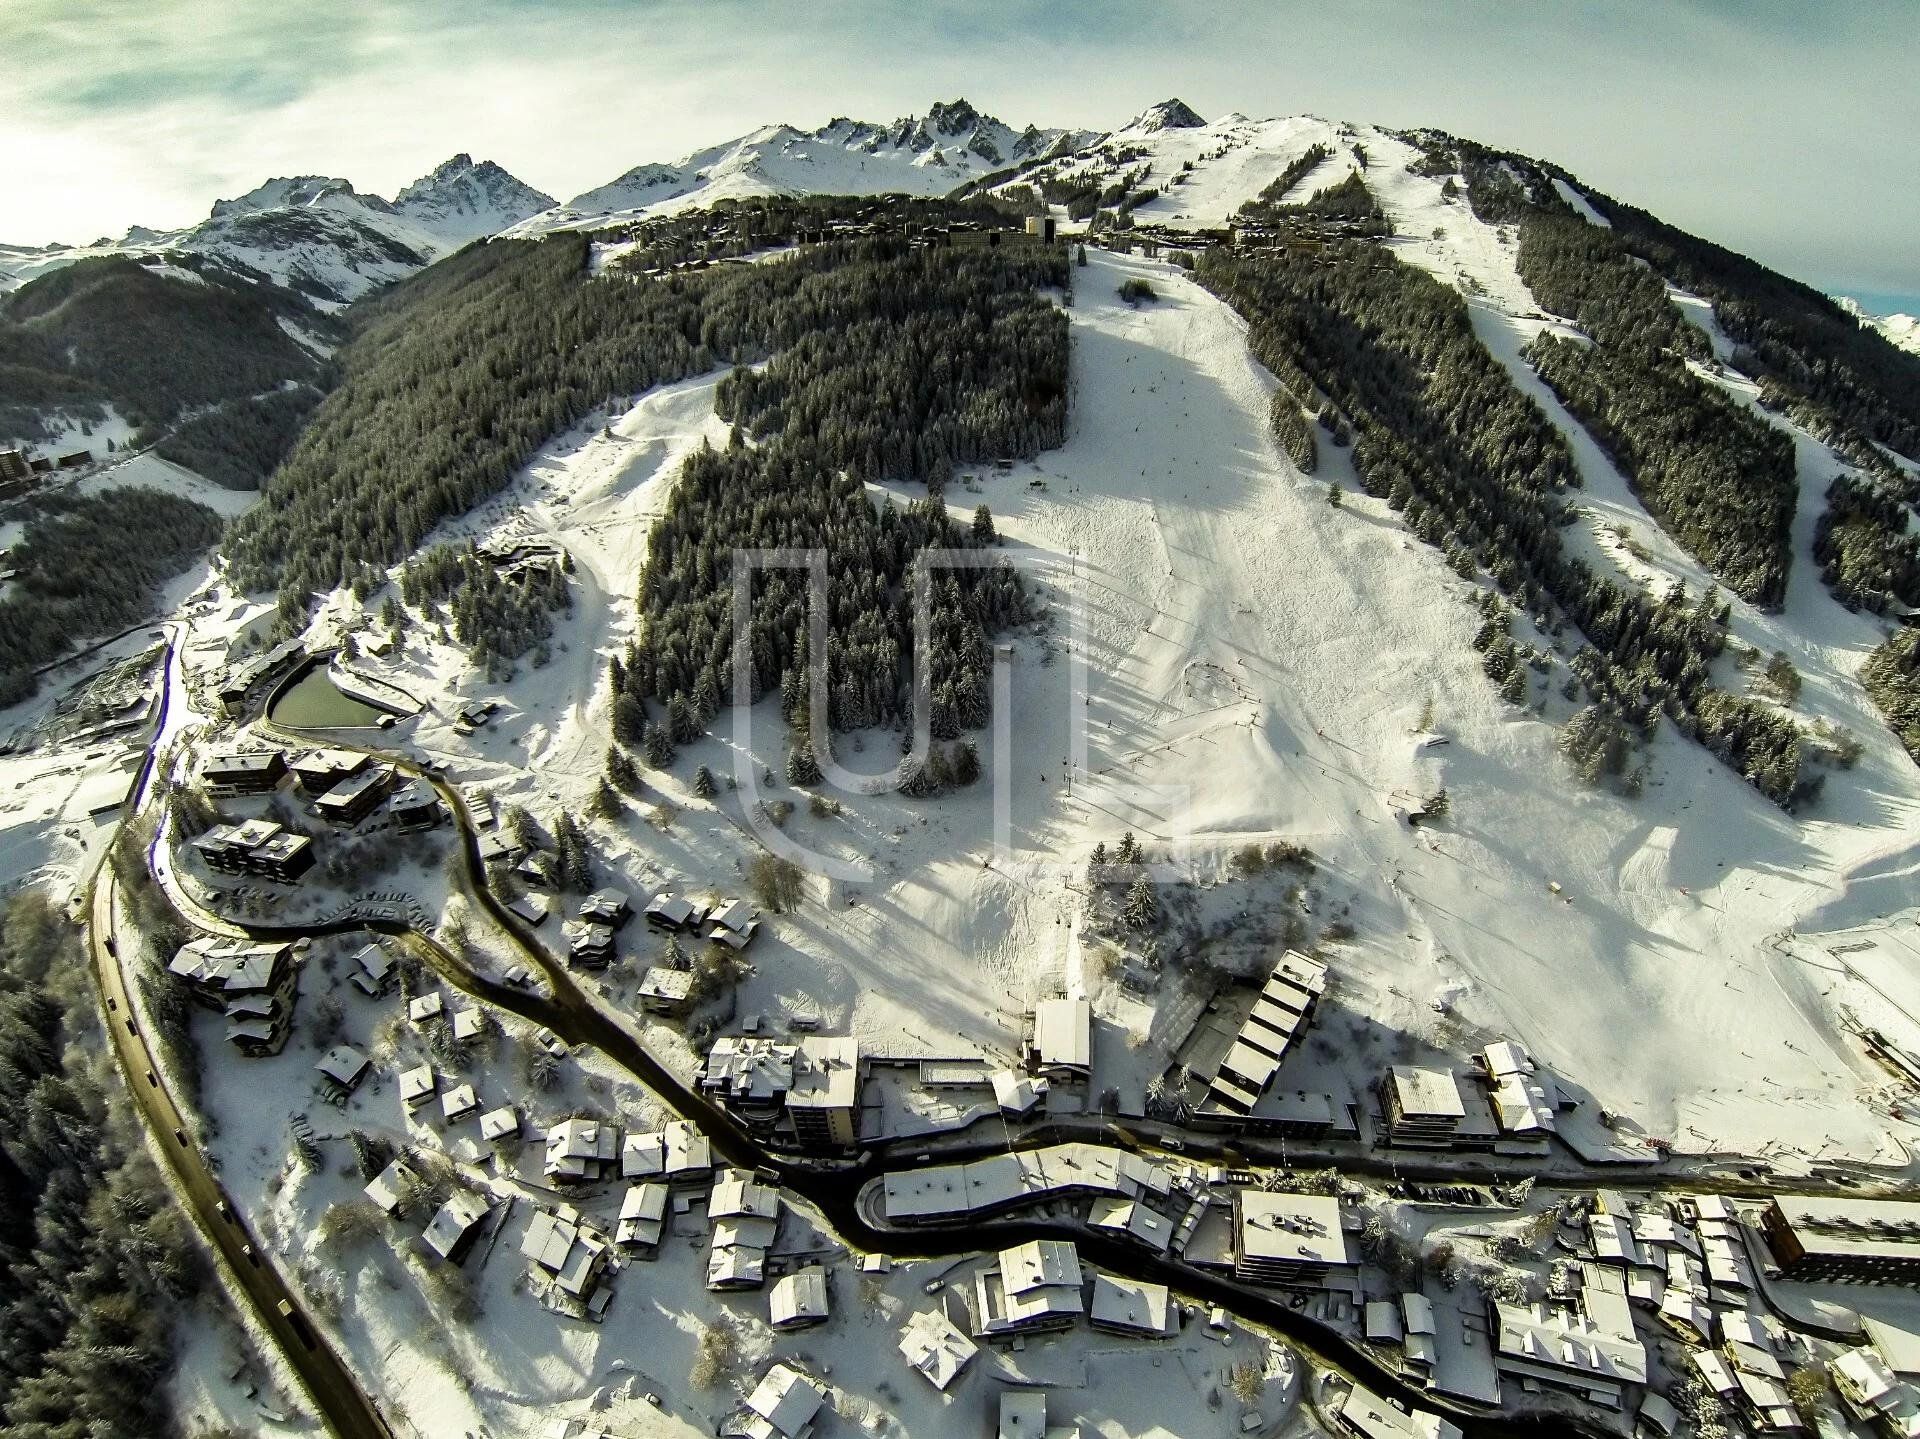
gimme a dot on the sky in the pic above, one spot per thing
(1787, 130)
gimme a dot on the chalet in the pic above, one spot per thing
(533, 908)
(936, 1348)
(1130, 1219)
(786, 1402)
(666, 992)
(373, 970)
(1526, 1102)
(415, 806)
(1031, 1288)
(1062, 1044)
(608, 907)
(356, 797)
(799, 1300)
(451, 1232)
(467, 1024)
(733, 924)
(343, 1067)
(680, 1153)
(643, 1217)
(672, 912)
(257, 847)
(318, 771)
(589, 945)
(14, 465)
(566, 1253)
(234, 772)
(746, 1219)
(76, 460)
(390, 1187)
(497, 1125)
(458, 1103)
(581, 1151)
(423, 1007)
(417, 1086)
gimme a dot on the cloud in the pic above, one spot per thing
(1778, 128)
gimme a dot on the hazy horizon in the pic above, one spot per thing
(1781, 133)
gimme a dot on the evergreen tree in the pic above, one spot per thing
(1141, 911)
(802, 767)
(703, 783)
(1129, 852)
(1097, 866)
(966, 764)
(657, 747)
(606, 801)
(622, 771)
(983, 525)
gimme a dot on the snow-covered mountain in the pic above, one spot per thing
(951, 145)
(1902, 330)
(461, 201)
(320, 237)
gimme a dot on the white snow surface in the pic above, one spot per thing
(926, 155)
(1259, 662)
(317, 234)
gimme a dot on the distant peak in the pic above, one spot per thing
(955, 117)
(286, 192)
(1173, 114)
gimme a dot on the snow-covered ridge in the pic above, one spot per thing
(318, 235)
(928, 155)
(1901, 330)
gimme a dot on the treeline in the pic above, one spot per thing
(1867, 557)
(1440, 432)
(1718, 479)
(241, 443)
(455, 376)
(94, 1257)
(1579, 270)
(88, 565)
(1297, 169)
(112, 330)
(1786, 331)
(497, 617)
(1819, 358)
(1891, 677)
(897, 364)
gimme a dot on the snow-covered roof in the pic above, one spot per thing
(454, 1221)
(936, 1348)
(344, 1065)
(1132, 1305)
(799, 1297)
(1427, 1092)
(1372, 1417)
(1063, 1033)
(788, 1400)
(389, 1186)
(1304, 1228)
